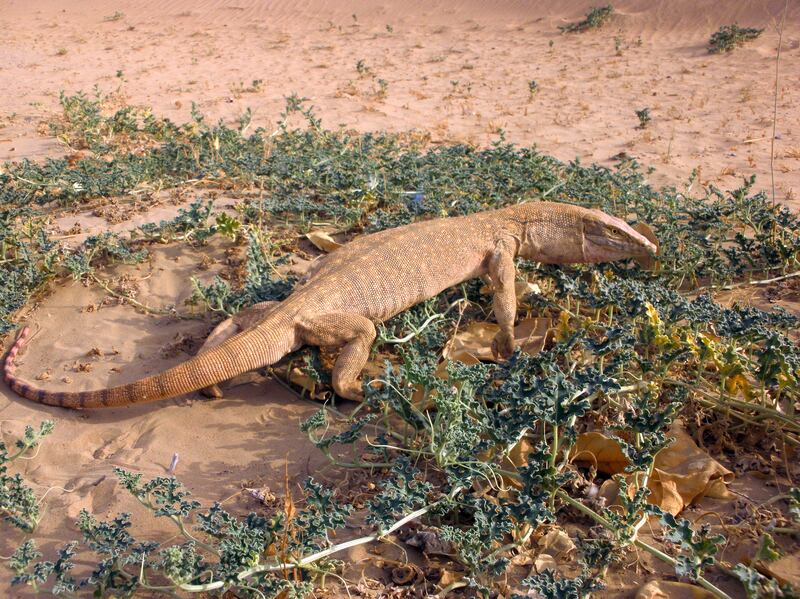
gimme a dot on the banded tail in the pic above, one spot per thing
(254, 348)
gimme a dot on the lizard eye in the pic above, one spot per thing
(614, 232)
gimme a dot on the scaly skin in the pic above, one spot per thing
(368, 281)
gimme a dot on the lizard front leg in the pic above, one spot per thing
(229, 327)
(503, 274)
(357, 333)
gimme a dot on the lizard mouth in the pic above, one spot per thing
(647, 249)
(601, 247)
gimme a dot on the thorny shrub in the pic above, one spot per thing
(729, 37)
(595, 19)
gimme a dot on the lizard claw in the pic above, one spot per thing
(503, 345)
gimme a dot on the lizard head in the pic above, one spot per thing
(565, 234)
(607, 238)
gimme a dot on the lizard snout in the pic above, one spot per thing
(650, 240)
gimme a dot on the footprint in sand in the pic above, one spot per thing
(97, 496)
(115, 441)
(126, 447)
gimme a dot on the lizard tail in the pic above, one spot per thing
(254, 348)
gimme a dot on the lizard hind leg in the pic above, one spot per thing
(356, 333)
(241, 321)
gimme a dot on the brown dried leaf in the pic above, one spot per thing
(647, 262)
(604, 453)
(323, 241)
(662, 589)
(544, 561)
(449, 577)
(405, 574)
(531, 334)
(288, 503)
(785, 570)
(556, 542)
(518, 455)
(299, 378)
(683, 473)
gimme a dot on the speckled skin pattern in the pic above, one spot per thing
(368, 281)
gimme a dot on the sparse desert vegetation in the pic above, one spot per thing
(730, 37)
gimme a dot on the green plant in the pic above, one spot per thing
(595, 19)
(729, 37)
(18, 504)
(533, 88)
(362, 68)
(383, 89)
(644, 118)
(261, 281)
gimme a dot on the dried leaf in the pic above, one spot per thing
(405, 574)
(662, 589)
(323, 241)
(525, 288)
(683, 473)
(299, 378)
(475, 341)
(544, 561)
(647, 262)
(595, 449)
(786, 570)
(288, 503)
(448, 577)
(556, 542)
(518, 455)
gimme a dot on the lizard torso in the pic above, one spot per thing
(383, 274)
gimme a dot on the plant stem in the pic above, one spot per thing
(133, 302)
(715, 402)
(638, 542)
(199, 588)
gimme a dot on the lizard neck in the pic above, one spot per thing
(511, 232)
(545, 232)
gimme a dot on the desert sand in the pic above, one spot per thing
(459, 70)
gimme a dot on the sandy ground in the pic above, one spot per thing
(457, 69)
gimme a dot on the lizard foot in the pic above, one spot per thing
(352, 391)
(503, 345)
(212, 391)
